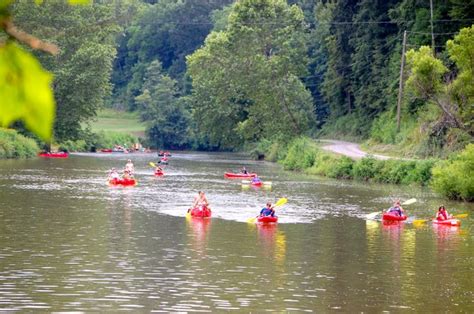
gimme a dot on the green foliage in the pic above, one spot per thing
(454, 178)
(332, 166)
(364, 169)
(168, 31)
(460, 50)
(85, 36)
(246, 82)
(25, 90)
(426, 72)
(107, 139)
(301, 155)
(164, 112)
(14, 145)
(25, 87)
(74, 146)
(351, 126)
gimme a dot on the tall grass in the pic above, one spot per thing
(15, 145)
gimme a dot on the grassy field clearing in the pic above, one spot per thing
(118, 121)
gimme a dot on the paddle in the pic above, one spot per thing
(422, 221)
(375, 214)
(152, 164)
(280, 202)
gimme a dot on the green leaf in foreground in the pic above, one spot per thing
(25, 91)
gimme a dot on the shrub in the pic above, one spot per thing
(15, 145)
(109, 139)
(364, 169)
(301, 155)
(74, 146)
(454, 178)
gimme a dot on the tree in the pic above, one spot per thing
(246, 82)
(85, 36)
(164, 112)
(168, 31)
(461, 51)
(453, 96)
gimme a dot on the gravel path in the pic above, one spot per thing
(348, 149)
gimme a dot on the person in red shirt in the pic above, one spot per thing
(442, 214)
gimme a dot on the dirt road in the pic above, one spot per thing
(348, 149)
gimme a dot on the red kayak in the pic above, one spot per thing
(123, 182)
(259, 183)
(105, 150)
(159, 173)
(54, 155)
(267, 219)
(201, 211)
(447, 222)
(393, 217)
(239, 175)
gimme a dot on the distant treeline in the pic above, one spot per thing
(219, 75)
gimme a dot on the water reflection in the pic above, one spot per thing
(198, 232)
(272, 241)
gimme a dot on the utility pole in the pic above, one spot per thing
(400, 86)
(432, 29)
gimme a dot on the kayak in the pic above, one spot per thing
(259, 183)
(447, 222)
(200, 211)
(54, 155)
(163, 160)
(159, 173)
(393, 217)
(267, 219)
(106, 150)
(239, 175)
(123, 182)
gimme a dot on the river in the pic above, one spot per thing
(69, 242)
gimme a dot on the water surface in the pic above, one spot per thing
(69, 242)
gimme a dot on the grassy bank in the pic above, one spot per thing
(111, 127)
(452, 178)
(99, 140)
(14, 145)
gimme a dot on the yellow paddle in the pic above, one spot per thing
(280, 202)
(152, 164)
(421, 221)
(375, 214)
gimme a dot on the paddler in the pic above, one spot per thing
(268, 210)
(442, 214)
(113, 174)
(129, 167)
(396, 208)
(200, 200)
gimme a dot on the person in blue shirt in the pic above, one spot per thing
(396, 208)
(256, 180)
(267, 210)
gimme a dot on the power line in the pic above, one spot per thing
(318, 23)
(428, 33)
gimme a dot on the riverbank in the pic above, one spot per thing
(15, 145)
(451, 178)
